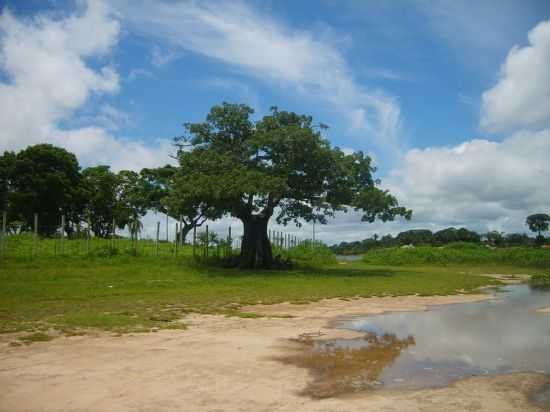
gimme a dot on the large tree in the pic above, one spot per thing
(46, 180)
(279, 165)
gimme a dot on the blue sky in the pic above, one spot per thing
(444, 95)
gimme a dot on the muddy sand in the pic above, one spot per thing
(229, 364)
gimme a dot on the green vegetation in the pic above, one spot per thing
(419, 237)
(305, 253)
(128, 293)
(21, 246)
(280, 167)
(541, 280)
(460, 253)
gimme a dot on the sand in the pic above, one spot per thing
(544, 310)
(227, 364)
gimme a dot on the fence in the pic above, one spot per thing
(204, 243)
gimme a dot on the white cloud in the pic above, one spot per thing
(112, 118)
(160, 58)
(139, 72)
(521, 98)
(479, 184)
(94, 145)
(49, 78)
(235, 34)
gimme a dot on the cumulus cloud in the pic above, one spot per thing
(235, 34)
(481, 184)
(521, 97)
(49, 77)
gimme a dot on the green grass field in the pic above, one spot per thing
(137, 293)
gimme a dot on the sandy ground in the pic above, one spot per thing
(544, 310)
(227, 364)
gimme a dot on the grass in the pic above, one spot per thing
(460, 254)
(119, 292)
(129, 294)
(21, 246)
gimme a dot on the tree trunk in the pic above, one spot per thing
(255, 247)
(185, 231)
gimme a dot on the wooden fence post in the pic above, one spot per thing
(113, 235)
(207, 241)
(3, 235)
(35, 237)
(194, 241)
(136, 225)
(62, 238)
(167, 228)
(229, 243)
(176, 240)
(88, 236)
(157, 242)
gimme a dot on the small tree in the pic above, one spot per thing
(539, 223)
(45, 180)
(166, 197)
(132, 201)
(495, 238)
(100, 185)
(279, 165)
(7, 166)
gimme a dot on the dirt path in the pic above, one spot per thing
(226, 364)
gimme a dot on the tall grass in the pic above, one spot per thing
(317, 254)
(21, 246)
(460, 254)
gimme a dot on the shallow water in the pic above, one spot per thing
(433, 348)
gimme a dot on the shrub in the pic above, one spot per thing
(305, 252)
(540, 281)
(460, 254)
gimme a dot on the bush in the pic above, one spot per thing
(459, 253)
(463, 246)
(540, 281)
(305, 252)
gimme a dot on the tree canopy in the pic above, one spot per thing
(280, 165)
(44, 179)
(538, 222)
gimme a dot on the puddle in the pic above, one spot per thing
(413, 350)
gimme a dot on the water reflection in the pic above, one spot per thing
(347, 365)
(430, 349)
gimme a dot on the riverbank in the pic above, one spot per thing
(228, 363)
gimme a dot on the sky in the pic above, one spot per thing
(450, 98)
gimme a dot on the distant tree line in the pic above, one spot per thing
(443, 237)
(49, 181)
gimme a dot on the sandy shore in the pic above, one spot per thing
(544, 310)
(227, 364)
